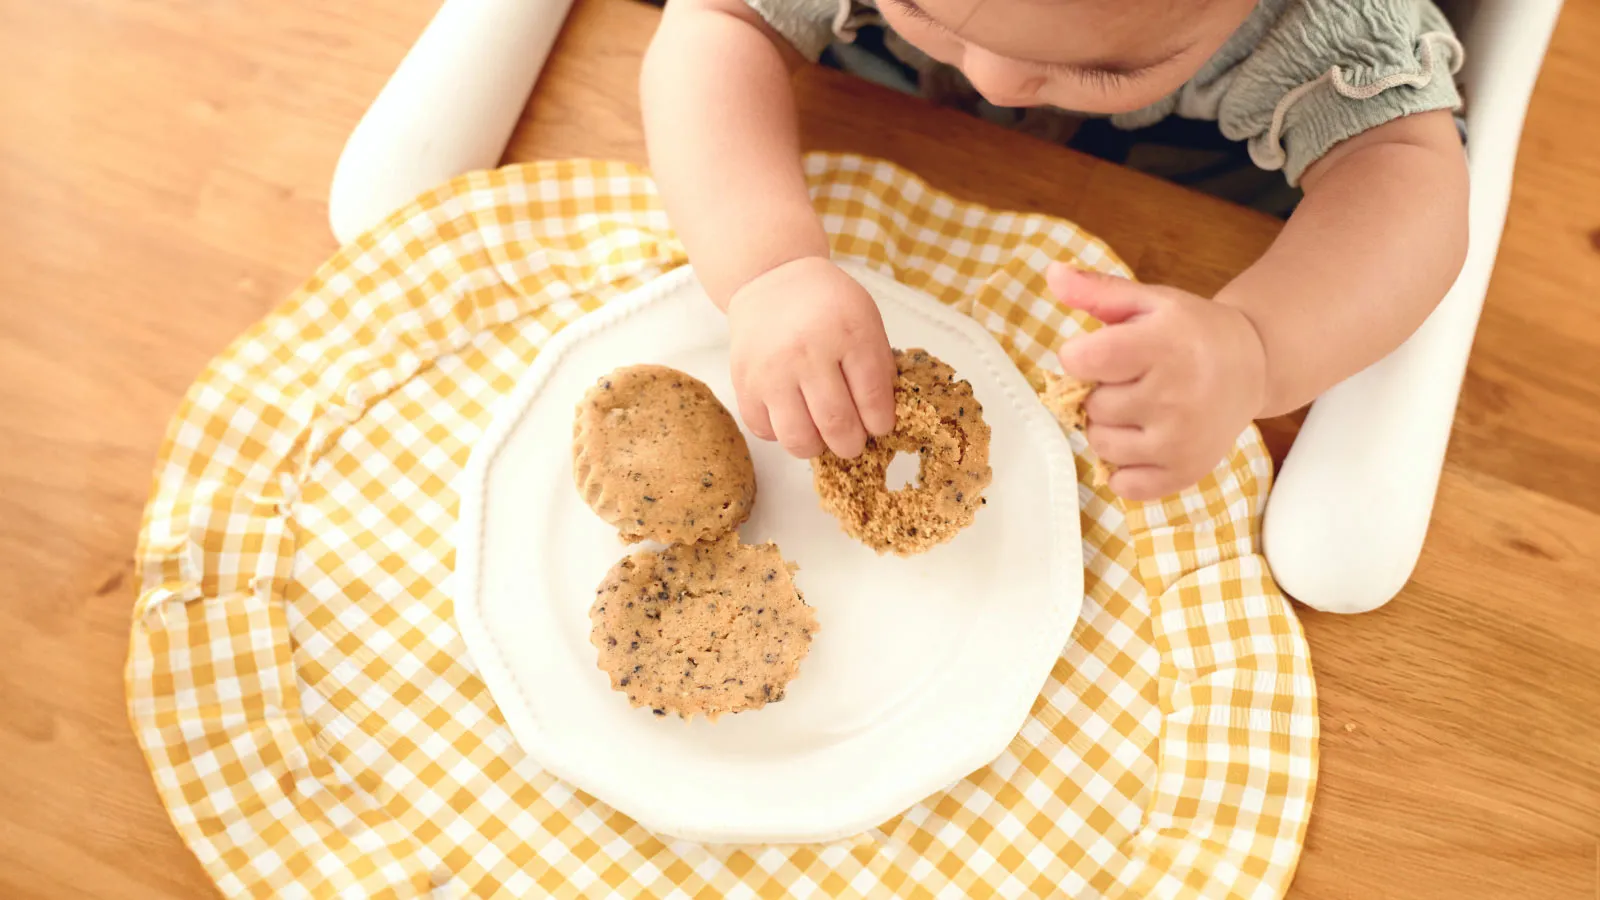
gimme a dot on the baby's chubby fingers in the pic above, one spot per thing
(833, 412)
(754, 413)
(1114, 354)
(1146, 482)
(869, 373)
(791, 421)
(1118, 404)
(1106, 297)
(1123, 445)
(1127, 345)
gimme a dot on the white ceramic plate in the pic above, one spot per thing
(923, 670)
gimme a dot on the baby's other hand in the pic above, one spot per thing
(811, 362)
(1179, 378)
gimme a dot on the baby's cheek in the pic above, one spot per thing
(944, 50)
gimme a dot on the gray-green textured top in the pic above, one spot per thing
(1298, 77)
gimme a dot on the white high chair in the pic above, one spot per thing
(1346, 521)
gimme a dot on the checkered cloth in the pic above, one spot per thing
(315, 726)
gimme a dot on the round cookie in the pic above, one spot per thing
(702, 629)
(655, 454)
(937, 418)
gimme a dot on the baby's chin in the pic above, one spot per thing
(1072, 93)
(1068, 92)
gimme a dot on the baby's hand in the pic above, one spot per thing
(1179, 377)
(811, 363)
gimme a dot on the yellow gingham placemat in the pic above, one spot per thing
(316, 729)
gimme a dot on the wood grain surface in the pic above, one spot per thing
(163, 182)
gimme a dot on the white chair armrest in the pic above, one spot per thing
(448, 108)
(1345, 524)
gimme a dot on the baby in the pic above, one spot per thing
(1352, 100)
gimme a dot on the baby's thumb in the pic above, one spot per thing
(1106, 297)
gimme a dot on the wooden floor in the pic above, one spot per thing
(163, 176)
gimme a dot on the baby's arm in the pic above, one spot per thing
(1370, 251)
(811, 363)
(1367, 255)
(724, 142)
